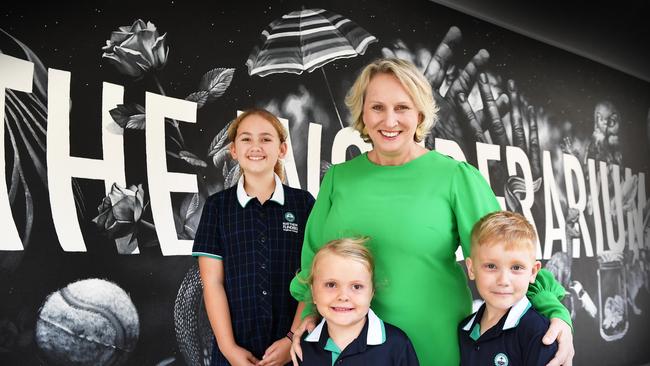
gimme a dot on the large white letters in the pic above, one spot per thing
(613, 243)
(61, 167)
(552, 207)
(573, 169)
(15, 74)
(161, 181)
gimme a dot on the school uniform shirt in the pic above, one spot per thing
(515, 340)
(260, 246)
(378, 344)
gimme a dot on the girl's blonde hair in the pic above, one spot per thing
(412, 80)
(272, 119)
(351, 248)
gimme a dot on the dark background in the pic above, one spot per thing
(204, 36)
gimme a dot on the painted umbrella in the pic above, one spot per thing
(305, 40)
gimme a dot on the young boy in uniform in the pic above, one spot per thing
(506, 330)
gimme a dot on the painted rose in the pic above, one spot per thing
(119, 214)
(136, 49)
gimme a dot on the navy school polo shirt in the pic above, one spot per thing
(260, 246)
(514, 341)
(378, 344)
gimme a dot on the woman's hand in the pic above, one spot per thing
(560, 331)
(277, 354)
(308, 324)
(238, 356)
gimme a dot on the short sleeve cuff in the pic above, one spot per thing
(209, 255)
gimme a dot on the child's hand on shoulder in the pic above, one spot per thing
(238, 356)
(277, 354)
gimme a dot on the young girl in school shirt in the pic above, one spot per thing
(248, 245)
(350, 334)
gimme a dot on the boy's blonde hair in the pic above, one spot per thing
(272, 119)
(504, 227)
(351, 248)
(412, 80)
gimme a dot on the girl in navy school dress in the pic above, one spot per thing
(248, 245)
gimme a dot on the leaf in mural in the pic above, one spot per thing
(231, 178)
(199, 97)
(129, 116)
(225, 169)
(192, 206)
(220, 157)
(218, 149)
(216, 81)
(25, 121)
(189, 215)
(192, 159)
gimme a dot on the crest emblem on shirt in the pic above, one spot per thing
(289, 224)
(501, 359)
(289, 217)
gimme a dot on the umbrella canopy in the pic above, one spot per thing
(306, 40)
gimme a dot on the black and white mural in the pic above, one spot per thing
(114, 119)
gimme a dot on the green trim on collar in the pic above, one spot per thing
(383, 331)
(332, 347)
(476, 332)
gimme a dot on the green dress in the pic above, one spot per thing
(416, 215)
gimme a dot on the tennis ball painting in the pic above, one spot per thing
(88, 322)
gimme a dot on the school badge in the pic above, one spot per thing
(289, 224)
(501, 360)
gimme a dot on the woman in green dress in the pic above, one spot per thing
(417, 206)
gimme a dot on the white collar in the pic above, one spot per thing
(376, 330)
(244, 198)
(516, 312)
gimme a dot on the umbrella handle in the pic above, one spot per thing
(332, 97)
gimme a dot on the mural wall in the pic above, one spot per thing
(114, 120)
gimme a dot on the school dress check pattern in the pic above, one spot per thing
(260, 246)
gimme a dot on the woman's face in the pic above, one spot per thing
(389, 115)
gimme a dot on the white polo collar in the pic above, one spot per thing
(376, 330)
(244, 198)
(516, 312)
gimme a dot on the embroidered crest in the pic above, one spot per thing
(289, 217)
(289, 224)
(501, 359)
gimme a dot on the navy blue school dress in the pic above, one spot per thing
(260, 246)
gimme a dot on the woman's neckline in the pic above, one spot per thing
(410, 162)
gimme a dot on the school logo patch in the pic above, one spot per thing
(501, 360)
(290, 217)
(289, 224)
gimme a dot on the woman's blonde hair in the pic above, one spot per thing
(351, 248)
(412, 80)
(272, 119)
